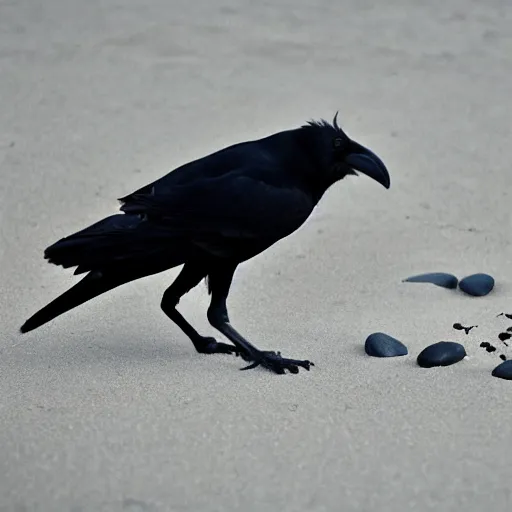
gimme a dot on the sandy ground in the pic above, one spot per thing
(109, 408)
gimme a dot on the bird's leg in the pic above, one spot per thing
(220, 281)
(189, 277)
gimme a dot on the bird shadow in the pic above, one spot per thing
(86, 351)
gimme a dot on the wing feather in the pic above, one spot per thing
(224, 213)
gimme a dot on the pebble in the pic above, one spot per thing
(443, 353)
(379, 344)
(503, 370)
(477, 285)
(438, 278)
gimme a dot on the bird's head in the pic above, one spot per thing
(340, 156)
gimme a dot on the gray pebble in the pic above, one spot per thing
(503, 370)
(477, 285)
(379, 344)
(438, 278)
(443, 353)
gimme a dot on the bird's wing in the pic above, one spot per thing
(222, 162)
(232, 209)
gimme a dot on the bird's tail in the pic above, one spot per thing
(114, 251)
(93, 284)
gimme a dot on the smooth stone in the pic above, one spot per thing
(379, 344)
(443, 353)
(477, 285)
(503, 370)
(438, 278)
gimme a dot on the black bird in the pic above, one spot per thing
(210, 215)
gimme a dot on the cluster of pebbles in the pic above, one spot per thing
(476, 285)
(446, 353)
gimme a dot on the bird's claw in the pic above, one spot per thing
(273, 361)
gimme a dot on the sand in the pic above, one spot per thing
(108, 408)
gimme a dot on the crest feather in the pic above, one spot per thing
(335, 121)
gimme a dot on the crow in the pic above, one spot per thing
(209, 216)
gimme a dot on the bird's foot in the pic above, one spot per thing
(274, 362)
(208, 345)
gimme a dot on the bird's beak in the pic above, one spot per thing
(363, 160)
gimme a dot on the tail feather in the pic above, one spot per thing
(114, 251)
(92, 285)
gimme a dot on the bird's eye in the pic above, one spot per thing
(337, 142)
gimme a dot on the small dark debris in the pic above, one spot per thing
(503, 336)
(488, 346)
(379, 344)
(503, 370)
(477, 285)
(460, 327)
(503, 357)
(509, 329)
(443, 353)
(508, 315)
(438, 278)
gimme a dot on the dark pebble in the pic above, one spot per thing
(484, 344)
(379, 344)
(491, 349)
(504, 336)
(438, 278)
(443, 353)
(477, 285)
(503, 357)
(503, 370)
